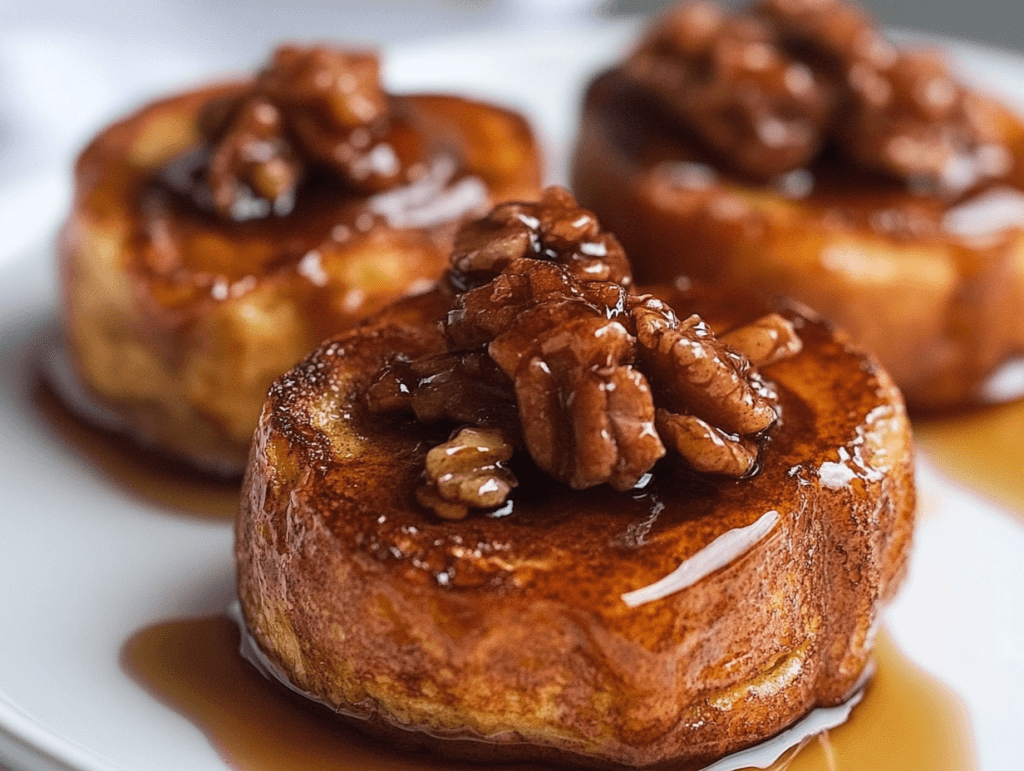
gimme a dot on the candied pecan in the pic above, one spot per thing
(570, 369)
(482, 313)
(463, 388)
(587, 415)
(831, 35)
(468, 471)
(706, 448)
(726, 79)
(555, 228)
(337, 111)
(766, 89)
(310, 107)
(767, 340)
(339, 89)
(698, 374)
(252, 169)
(915, 121)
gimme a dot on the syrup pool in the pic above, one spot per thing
(138, 473)
(984, 449)
(906, 721)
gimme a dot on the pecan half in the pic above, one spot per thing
(468, 471)
(311, 107)
(253, 168)
(766, 89)
(555, 228)
(770, 339)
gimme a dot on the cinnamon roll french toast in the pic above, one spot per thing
(794, 149)
(217, 235)
(535, 513)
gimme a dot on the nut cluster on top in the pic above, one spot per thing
(315, 106)
(548, 351)
(766, 90)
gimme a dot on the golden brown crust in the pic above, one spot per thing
(941, 310)
(512, 630)
(178, 321)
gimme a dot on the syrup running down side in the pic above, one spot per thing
(906, 721)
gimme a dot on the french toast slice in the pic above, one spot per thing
(176, 321)
(932, 284)
(531, 632)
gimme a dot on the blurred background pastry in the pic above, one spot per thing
(216, 236)
(792, 148)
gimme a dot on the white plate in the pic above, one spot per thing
(83, 566)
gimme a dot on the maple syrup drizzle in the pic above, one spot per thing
(134, 471)
(982, 448)
(906, 721)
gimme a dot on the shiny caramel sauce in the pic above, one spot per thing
(983, 448)
(138, 473)
(906, 721)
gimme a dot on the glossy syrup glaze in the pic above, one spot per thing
(906, 721)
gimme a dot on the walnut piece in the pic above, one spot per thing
(555, 228)
(770, 339)
(593, 382)
(765, 90)
(315, 107)
(466, 472)
(253, 169)
(724, 77)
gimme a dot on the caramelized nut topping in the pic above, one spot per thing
(726, 79)
(592, 381)
(555, 228)
(767, 89)
(706, 448)
(466, 472)
(765, 341)
(252, 164)
(465, 387)
(697, 373)
(310, 107)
